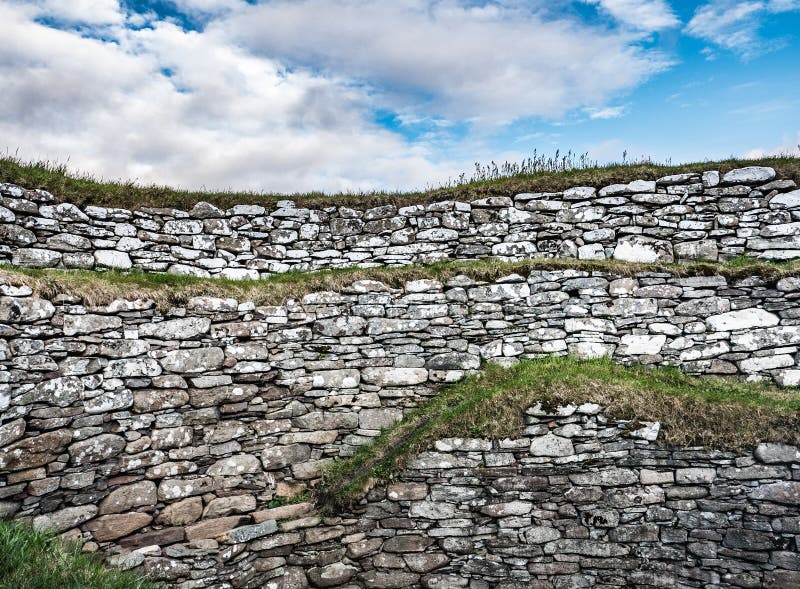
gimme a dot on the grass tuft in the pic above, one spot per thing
(40, 560)
(693, 411)
(97, 288)
(533, 175)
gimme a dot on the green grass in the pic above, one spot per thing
(715, 413)
(87, 190)
(102, 287)
(40, 560)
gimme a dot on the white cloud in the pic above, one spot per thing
(91, 12)
(491, 64)
(224, 119)
(645, 15)
(282, 96)
(734, 25)
(608, 112)
(788, 147)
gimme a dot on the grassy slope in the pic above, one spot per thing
(715, 413)
(85, 190)
(39, 560)
(98, 288)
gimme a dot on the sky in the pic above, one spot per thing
(350, 95)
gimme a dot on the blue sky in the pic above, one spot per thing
(389, 94)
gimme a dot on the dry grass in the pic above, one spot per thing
(714, 413)
(166, 290)
(86, 190)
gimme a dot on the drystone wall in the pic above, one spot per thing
(579, 501)
(676, 218)
(163, 437)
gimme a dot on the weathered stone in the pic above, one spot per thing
(786, 492)
(110, 401)
(235, 465)
(176, 329)
(336, 379)
(641, 344)
(432, 510)
(394, 580)
(506, 509)
(141, 494)
(407, 543)
(110, 527)
(193, 361)
(551, 445)
(25, 310)
(79, 324)
(213, 528)
(610, 477)
(11, 432)
(341, 326)
(35, 258)
(113, 259)
(773, 453)
(454, 361)
(181, 513)
(643, 249)
(705, 249)
(64, 519)
(249, 533)
(223, 506)
(280, 456)
(166, 569)
(61, 392)
(743, 319)
(96, 449)
(749, 174)
(132, 368)
(332, 575)
(394, 377)
(149, 400)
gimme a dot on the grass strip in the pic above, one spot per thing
(84, 189)
(693, 411)
(40, 560)
(101, 287)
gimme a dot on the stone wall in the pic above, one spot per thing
(172, 432)
(578, 501)
(676, 218)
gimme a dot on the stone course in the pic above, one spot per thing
(678, 218)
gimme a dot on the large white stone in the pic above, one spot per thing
(35, 258)
(336, 379)
(176, 329)
(113, 259)
(742, 319)
(749, 174)
(65, 519)
(193, 360)
(643, 249)
(593, 324)
(788, 200)
(763, 363)
(767, 337)
(80, 324)
(634, 345)
(591, 350)
(394, 377)
(551, 445)
(432, 510)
